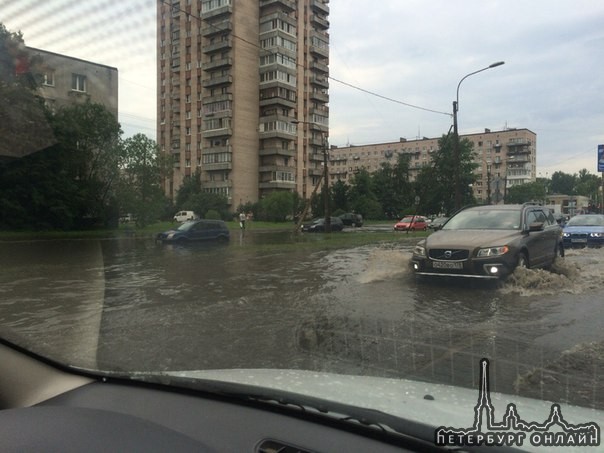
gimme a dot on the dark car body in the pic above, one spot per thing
(584, 231)
(490, 242)
(318, 225)
(352, 219)
(197, 230)
(437, 223)
(411, 223)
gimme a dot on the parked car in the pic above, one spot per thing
(318, 225)
(411, 223)
(490, 242)
(584, 231)
(183, 216)
(197, 230)
(352, 219)
(437, 223)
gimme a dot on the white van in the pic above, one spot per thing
(183, 216)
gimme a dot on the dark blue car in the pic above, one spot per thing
(197, 230)
(584, 231)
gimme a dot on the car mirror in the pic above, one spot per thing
(536, 226)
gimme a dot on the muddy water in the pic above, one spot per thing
(134, 305)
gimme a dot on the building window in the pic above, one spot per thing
(48, 78)
(78, 82)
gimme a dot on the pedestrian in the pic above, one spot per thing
(242, 219)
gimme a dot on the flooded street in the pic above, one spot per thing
(266, 301)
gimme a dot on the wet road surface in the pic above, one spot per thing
(263, 301)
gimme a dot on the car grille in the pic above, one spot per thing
(449, 254)
(578, 235)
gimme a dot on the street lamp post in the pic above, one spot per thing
(456, 133)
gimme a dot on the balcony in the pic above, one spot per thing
(217, 12)
(319, 67)
(217, 64)
(320, 51)
(319, 81)
(319, 21)
(216, 81)
(218, 46)
(222, 132)
(218, 166)
(277, 185)
(209, 29)
(319, 7)
(317, 95)
(275, 151)
(287, 5)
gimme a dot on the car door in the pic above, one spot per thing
(537, 241)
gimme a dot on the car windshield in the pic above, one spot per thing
(119, 119)
(186, 226)
(586, 220)
(493, 219)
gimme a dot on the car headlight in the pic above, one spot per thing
(170, 236)
(566, 235)
(596, 235)
(493, 251)
(419, 250)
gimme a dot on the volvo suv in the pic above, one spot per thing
(490, 242)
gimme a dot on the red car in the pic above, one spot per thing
(412, 223)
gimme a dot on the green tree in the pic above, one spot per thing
(143, 167)
(588, 184)
(89, 136)
(203, 202)
(444, 165)
(362, 198)
(339, 191)
(522, 193)
(563, 183)
(190, 186)
(392, 188)
(277, 207)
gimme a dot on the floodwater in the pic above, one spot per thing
(267, 301)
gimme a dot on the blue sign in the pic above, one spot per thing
(601, 158)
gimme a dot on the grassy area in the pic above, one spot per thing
(319, 240)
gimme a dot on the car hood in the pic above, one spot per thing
(427, 403)
(584, 229)
(470, 238)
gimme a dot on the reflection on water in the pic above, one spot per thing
(260, 302)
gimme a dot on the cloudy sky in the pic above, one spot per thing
(412, 52)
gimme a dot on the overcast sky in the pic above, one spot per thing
(412, 51)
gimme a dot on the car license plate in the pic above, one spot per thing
(447, 265)
(580, 240)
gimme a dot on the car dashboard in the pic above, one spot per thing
(46, 408)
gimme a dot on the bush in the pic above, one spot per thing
(212, 214)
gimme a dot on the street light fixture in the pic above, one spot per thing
(456, 132)
(326, 206)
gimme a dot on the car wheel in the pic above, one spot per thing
(522, 260)
(353, 224)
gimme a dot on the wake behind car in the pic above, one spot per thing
(489, 242)
(197, 230)
(318, 225)
(584, 231)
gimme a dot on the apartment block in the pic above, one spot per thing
(505, 158)
(242, 90)
(66, 80)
